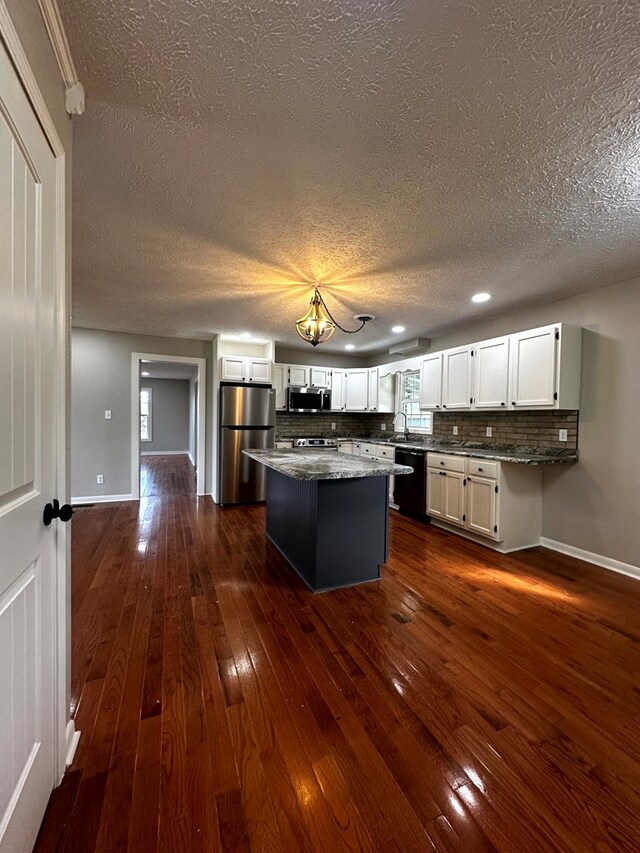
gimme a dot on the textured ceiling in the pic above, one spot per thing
(406, 153)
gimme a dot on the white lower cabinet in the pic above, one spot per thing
(374, 451)
(495, 503)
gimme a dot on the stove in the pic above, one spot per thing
(317, 443)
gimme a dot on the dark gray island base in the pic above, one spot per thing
(328, 514)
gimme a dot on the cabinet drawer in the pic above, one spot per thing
(446, 463)
(386, 452)
(483, 468)
(368, 450)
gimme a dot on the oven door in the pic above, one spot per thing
(303, 399)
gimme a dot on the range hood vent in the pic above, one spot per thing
(413, 346)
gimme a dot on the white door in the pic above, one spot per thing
(27, 465)
(435, 492)
(259, 370)
(456, 383)
(491, 374)
(355, 396)
(533, 368)
(337, 390)
(321, 377)
(278, 384)
(453, 501)
(233, 369)
(373, 389)
(298, 375)
(431, 382)
(481, 506)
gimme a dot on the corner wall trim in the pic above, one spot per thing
(589, 557)
(72, 741)
(60, 43)
(101, 499)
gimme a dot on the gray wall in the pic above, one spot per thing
(592, 505)
(101, 379)
(170, 416)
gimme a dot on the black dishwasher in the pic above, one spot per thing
(409, 491)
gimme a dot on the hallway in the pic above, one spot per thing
(467, 701)
(167, 475)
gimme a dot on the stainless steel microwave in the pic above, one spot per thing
(305, 398)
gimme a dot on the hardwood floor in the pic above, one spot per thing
(167, 475)
(467, 702)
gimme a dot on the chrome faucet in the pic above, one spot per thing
(406, 428)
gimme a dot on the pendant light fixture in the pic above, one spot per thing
(318, 324)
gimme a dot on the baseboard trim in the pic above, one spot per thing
(164, 453)
(589, 557)
(101, 499)
(72, 741)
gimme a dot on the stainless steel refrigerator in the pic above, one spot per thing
(247, 422)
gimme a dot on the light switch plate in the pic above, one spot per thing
(100, 479)
(107, 414)
(333, 424)
(489, 432)
(383, 427)
(562, 435)
(455, 430)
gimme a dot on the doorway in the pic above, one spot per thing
(168, 425)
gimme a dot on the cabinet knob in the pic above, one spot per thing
(503, 404)
(513, 402)
(479, 469)
(444, 405)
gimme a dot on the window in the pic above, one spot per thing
(145, 414)
(417, 421)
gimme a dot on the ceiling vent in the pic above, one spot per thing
(413, 346)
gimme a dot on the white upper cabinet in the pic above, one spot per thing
(431, 382)
(456, 382)
(372, 395)
(337, 390)
(491, 374)
(237, 368)
(320, 377)
(280, 385)
(356, 390)
(544, 368)
(297, 375)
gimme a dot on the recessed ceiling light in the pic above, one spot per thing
(246, 335)
(349, 346)
(145, 372)
(397, 329)
(481, 297)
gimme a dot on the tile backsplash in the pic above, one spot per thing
(534, 429)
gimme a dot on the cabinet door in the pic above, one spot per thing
(456, 383)
(233, 369)
(533, 368)
(491, 374)
(298, 375)
(431, 382)
(320, 377)
(279, 384)
(482, 506)
(453, 497)
(345, 447)
(337, 390)
(435, 493)
(372, 394)
(356, 382)
(392, 483)
(258, 369)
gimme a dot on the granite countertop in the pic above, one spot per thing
(324, 464)
(521, 454)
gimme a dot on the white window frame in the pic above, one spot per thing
(149, 391)
(413, 405)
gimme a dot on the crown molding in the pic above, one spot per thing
(58, 37)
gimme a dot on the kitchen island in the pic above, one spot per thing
(327, 513)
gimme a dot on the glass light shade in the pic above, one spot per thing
(315, 327)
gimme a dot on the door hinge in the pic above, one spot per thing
(555, 395)
(496, 490)
(464, 482)
(495, 528)
(464, 517)
(557, 335)
(472, 353)
(470, 400)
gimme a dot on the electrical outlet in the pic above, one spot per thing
(107, 414)
(333, 425)
(489, 432)
(562, 435)
(455, 430)
(383, 427)
(100, 479)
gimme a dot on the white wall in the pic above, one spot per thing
(101, 379)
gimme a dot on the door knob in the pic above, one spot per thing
(54, 510)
